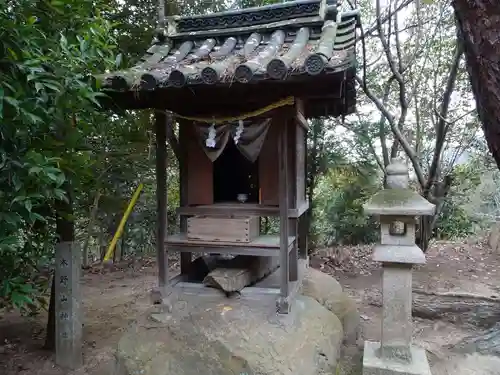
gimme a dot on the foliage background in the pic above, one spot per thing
(65, 160)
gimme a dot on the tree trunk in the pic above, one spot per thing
(457, 308)
(123, 252)
(90, 230)
(478, 24)
(486, 342)
(424, 232)
(102, 245)
(50, 336)
(239, 272)
(427, 224)
(313, 171)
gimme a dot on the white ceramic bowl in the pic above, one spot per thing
(242, 198)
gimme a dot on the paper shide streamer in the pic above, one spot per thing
(210, 141)
(239, 131)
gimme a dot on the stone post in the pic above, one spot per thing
(397, 206)
(68, 306)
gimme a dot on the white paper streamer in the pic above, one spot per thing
(239, 131)
(210, 141)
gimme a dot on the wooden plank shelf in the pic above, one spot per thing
(265, 245)
(240, 209)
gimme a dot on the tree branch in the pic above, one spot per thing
(161, 14)
(386, 47)
(395, 127)
(386, 17)
(398, 44)
(403, 100)
(362, 82)
(397, 133)
(442, 125)
(381, 124)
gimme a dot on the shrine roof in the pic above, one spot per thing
(294, 48)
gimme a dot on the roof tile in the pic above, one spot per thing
(270, 54)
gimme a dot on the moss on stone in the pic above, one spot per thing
(393, 197)
(398, 202)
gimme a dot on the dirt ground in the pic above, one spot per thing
(112, 299)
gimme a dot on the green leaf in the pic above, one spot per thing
(20, 198)
(60, 194)
(36, 196)
(83, 44)
(52, 86)
(93, 98)
(12, 53)
(33, 118)
(61, 179)
(17, 183)
(52, 176)
(34, 217)
(38, 86)
(26, 288)
(34, 170)
(19, 299)
(118, 60)
(9, 241)
(28, 205)
(63, 42)
(1, 102)
(11, 218)
(13, 102)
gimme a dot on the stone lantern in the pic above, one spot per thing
(397, 207)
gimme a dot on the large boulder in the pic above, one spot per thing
(328, 292)
(214, 335)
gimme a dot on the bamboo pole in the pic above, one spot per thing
(119, 231)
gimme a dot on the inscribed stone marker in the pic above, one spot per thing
(67, 308)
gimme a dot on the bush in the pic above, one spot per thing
(454, 222)
(460, 215)
(339, 217)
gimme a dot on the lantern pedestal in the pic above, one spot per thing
(375, 364)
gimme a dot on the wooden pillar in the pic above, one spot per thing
(301, 167)
(161, 197)
(294, 196)
(303, 227)
(304, 219)
(67, 306)
(283, 304)
(186, 257)
(294, 253)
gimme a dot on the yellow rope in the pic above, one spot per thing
(287, 101)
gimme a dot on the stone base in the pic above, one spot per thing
(374, 365)
(227, 336)
(231, 336)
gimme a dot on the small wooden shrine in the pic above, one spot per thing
(241, 85)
